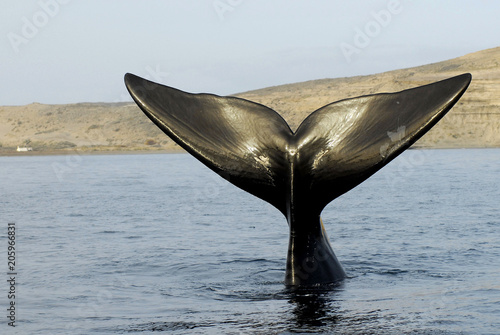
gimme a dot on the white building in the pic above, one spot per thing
(24, 148)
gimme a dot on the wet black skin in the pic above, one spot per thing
(334, 149)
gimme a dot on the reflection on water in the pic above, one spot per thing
(314, 309)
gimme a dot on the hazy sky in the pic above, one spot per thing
(66, 51)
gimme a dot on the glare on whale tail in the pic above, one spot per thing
(334, 149)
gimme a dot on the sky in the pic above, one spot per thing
(70, 51)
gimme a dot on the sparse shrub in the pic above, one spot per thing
(94, 126)
(63, 145)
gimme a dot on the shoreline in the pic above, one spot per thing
(86, 152)
(13, 153)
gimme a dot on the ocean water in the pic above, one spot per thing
(140, 244)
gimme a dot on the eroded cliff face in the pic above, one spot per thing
(473, 122)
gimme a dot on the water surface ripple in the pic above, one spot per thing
(138, 244)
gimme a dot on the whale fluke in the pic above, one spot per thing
(334, 149)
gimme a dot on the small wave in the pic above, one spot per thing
(393, 272)
(255, 260)
(167, 326)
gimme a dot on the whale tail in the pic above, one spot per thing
(334, 149)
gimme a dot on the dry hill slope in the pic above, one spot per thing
(473, 122)
(84, 126)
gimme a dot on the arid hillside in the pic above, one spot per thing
(84, 126)
(473, 122)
